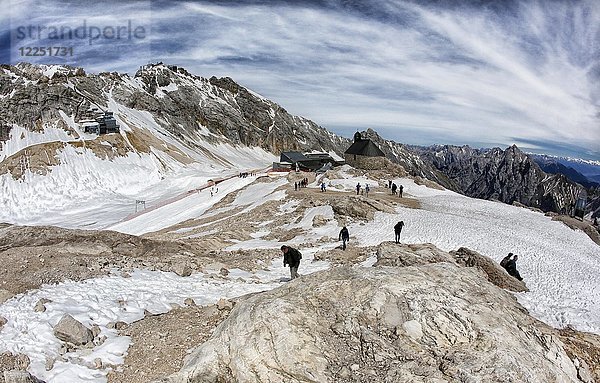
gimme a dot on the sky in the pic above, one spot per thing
(482, 73)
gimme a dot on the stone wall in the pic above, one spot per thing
(364, 162)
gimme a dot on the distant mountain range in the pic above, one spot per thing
(584, 172)
(506, 175)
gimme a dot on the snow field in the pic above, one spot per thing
(560, 266)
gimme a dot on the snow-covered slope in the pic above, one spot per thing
(52, 172)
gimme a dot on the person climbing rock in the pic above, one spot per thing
(291, 257)
(398, 229)
(344, 237)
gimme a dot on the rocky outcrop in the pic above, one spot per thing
(13, 369)
(18, 376)
(493, 271)
(402, 255)
(72, 331)
(430, 323)
(505, 175)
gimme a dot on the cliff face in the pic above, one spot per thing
(432, 322)
(505, 175)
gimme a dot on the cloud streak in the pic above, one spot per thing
(444, 72)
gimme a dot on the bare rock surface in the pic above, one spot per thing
(495, 273)
(160, 342)
(18, 376)
(5, 295)
(394, 254)
(430, 323)
(13, 369)
(70, 330)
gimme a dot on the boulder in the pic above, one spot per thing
(437, 322)
(40, 306)
(18, 376)
(224, 304)
(182, 269)
(72, 331)
(319, 220)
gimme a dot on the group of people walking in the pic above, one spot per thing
(301, 184)
(395, 189)
(360, 190)
(292, 256)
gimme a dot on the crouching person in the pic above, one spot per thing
(291, 257)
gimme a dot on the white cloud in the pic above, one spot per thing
(472, 74)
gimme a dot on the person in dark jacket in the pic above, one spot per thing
(510, 265)
(400, 190)
(394, 188)
(344, 237)
(505, 260)
(398, 229)
(291, 257)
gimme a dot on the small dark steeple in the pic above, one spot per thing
(357, 137)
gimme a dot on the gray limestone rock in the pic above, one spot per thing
(72, 331)
(436, 322)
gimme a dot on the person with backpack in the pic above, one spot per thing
(291, 257)
(398, 229)
(344, 237)
(394, 188)
(400, 190)
(367, 189)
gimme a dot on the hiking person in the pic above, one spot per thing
(394, 188)
(344, 237)
(400, 190)
(291, 257)
(505, 260)
(322, 186)
(295, 186)
(389, 184)
(358, 188)
(511, 267)
(367, 190)
(398, 229)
